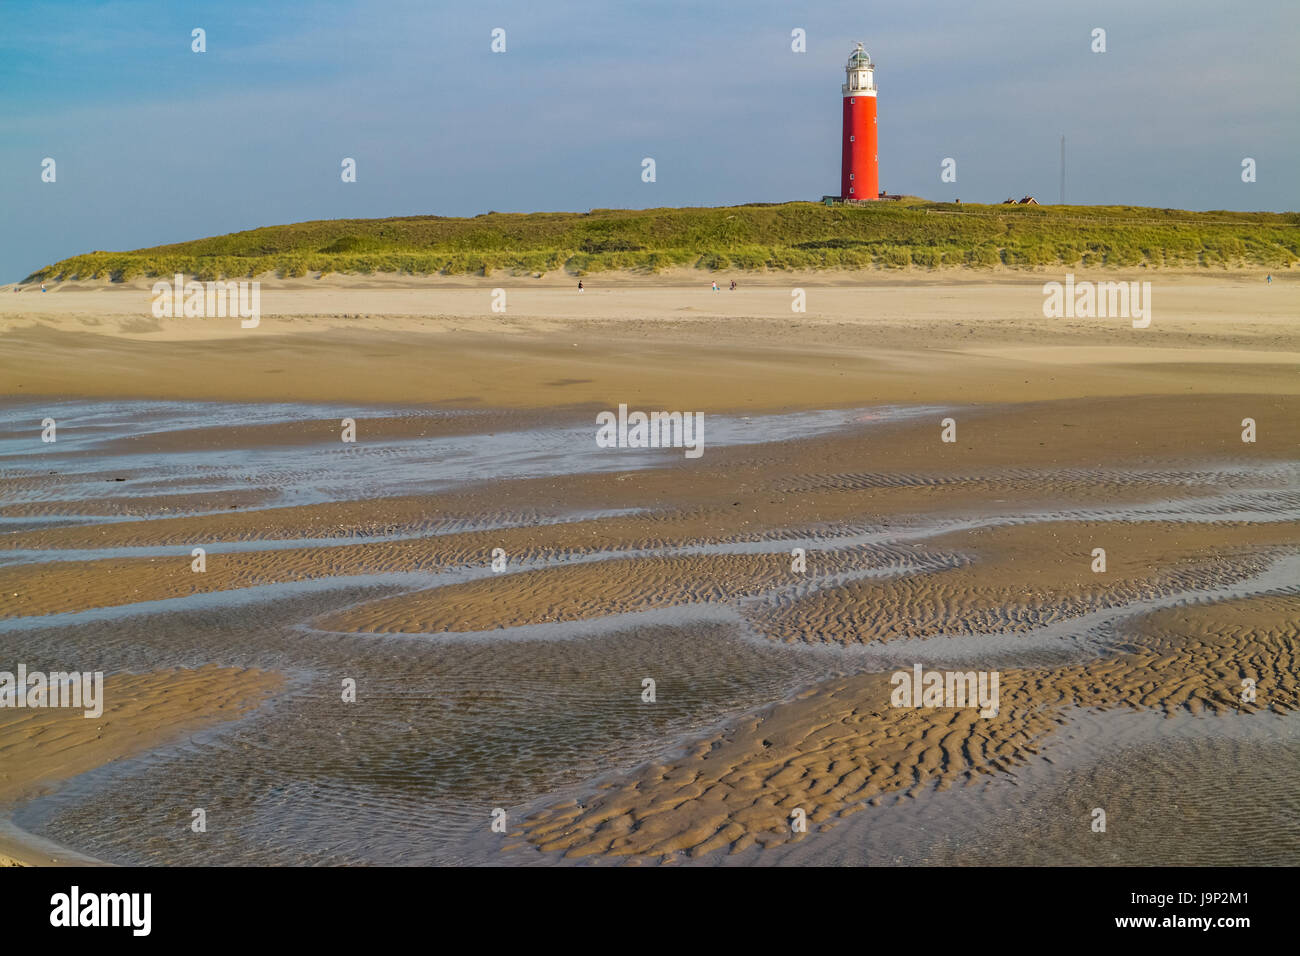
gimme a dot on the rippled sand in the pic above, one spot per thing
(520, 686)
(831, 750)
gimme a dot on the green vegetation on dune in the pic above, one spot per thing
(796, 235)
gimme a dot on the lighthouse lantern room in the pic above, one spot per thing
(859, 175)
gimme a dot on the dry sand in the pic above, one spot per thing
(1056, 418)
(418, 341)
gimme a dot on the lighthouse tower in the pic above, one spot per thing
(859, 175)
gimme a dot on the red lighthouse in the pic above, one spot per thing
(859, 174)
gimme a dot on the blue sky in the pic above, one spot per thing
(155, 143)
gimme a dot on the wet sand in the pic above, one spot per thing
(519, 686)
(832, 750)
(41, 747)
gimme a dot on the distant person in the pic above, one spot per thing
(715, 287)
(42, 286)
(1269, 277)
(733, 285)
(579, 285)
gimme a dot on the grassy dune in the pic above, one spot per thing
(796, 235)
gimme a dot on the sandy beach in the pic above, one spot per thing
(498, 586)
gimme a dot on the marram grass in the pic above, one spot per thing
(911, 233)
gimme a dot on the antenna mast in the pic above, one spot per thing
(1062, 169)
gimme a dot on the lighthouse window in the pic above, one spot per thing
(850, 175)
(852, 139)
(851, 99)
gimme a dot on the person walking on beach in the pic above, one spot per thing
(579, 285)
(733, 285)
(1269, 277)
(715, 287)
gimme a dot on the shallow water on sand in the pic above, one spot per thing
(87, 455)
(449, 726)
(440, 736)
(1225, 785)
